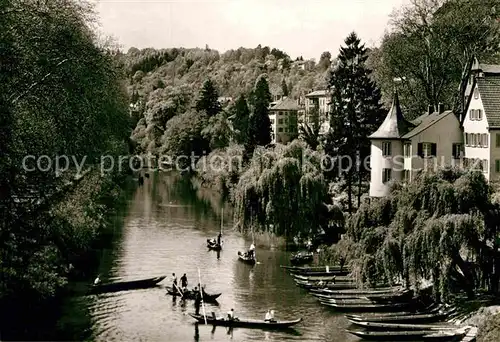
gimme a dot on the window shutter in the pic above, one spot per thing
(497, 140)
(420, 151)
(466, 139)
(433, 149)
(485, 141)
(479, 114)
(471, 114)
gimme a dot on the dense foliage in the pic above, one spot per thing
(60, 95)
(430, 46)
(283, 192)
(441, 227)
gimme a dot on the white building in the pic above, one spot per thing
(400, 149)
(320, 99)
(283, 116)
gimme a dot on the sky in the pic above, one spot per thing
(300, 28)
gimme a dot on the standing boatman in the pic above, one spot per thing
(174, 283)
(197, 302)
(184, 282)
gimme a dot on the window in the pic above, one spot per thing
(471, 114)
(485, 139)
(476, 93)
(497, 140)
(280, 121)
(272, 121)
(475, 114)
(280, 129)
(407, 149)
(497, 166)
(386, 175)
(426, 150)
(406, 175)
(467, 141)
(484, 165)
(457, 151)
(286, 129)
(386, 148)
(479, 114)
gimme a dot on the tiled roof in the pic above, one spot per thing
(394, 125)
(489, 90)
(317, 93)
(427, 121)
(285, 104)
(490, 68)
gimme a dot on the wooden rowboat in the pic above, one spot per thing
(416, 335)
(244, 258)
(365, 306)
(125, 285)
(401, 326)
(212, 245)
(246, 323)
(190, 294)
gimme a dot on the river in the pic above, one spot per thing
(165, 231)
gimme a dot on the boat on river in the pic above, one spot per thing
(213, 245)
(321, 285)
(402, 326)
(246, 323)
(303, 269)
(359, 306)
(190, 294)
(414, 335)
(359, 292)
(300, 258)
(125, 285)
(375, 297)
(246, 259)
(417, 318)
(329, 278)
(426, 310)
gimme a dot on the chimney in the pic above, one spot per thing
(430, 109)
(441, 108)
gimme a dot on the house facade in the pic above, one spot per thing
(317, 99)
(401, 149)
(283, 116)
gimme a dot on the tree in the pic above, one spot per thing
(218, 131)
(284, 87)
(310, 130)
(356, 112)
(208, 100)
(325, 60)
(282, 192)
(259, 126)
(183, 138)
(240, 115)
(431, 47)
(426, 229)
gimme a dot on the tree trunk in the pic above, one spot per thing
(359, 188)
(468, 283)
(349, 191)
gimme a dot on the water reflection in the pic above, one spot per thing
(165, 232)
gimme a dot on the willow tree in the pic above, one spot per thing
(283, 192)
(441, 227)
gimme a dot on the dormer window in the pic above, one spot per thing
(475, 114)
(476, 93)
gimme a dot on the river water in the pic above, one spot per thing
(165, 231)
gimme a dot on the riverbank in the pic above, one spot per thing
(77, 228)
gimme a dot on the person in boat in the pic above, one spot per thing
(184, 282)
(197, 302)
(269, 316)
(230, 315)
(97, 280)
(219, 237)
(174, 283)
(251, 251)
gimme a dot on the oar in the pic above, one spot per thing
(201, 293)
(178, 289)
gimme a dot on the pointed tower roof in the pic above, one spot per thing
(394, 125)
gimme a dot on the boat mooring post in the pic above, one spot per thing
(201, 293)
